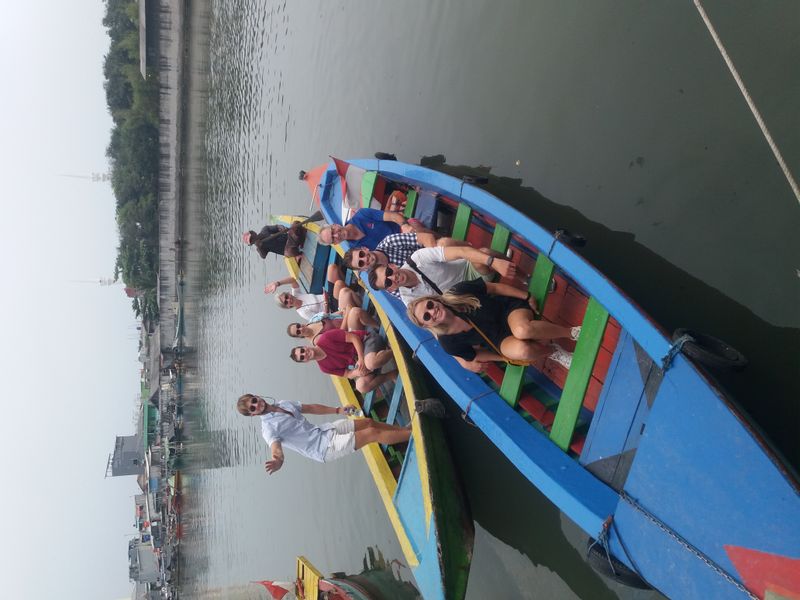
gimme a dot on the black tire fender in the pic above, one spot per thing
(565, 236)
(475, 179)
(621, 573)
(710, 351)
(385, 156)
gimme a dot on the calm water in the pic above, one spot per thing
(615, 119)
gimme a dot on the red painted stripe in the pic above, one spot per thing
(537, 410)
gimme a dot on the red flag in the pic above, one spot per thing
(275, 589)
(351, 177)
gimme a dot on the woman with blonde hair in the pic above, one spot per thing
(479, 322)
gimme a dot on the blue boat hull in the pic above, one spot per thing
(700, 506)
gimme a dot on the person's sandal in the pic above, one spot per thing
(561, 356)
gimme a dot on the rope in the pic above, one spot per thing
(686, 545)
(465, 414)
(602, 539)
(749, 100)
(673, 351)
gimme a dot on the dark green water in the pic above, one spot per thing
(615, 119)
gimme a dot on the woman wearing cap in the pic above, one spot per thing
(272, 238)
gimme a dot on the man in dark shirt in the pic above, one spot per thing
(272, 238)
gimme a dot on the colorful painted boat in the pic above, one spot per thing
(635, 443)
(417, 484)
(310, 584)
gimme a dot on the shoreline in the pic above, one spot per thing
(183, 91)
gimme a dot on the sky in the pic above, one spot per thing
(71, 374)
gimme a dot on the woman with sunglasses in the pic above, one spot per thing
(356, 355)
(356, 318)
(479, 322)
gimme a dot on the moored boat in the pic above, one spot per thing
(417, 483)
(635, 442)
(310, 584)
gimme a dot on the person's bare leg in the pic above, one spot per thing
(346, 297)
(524, 327)
(375, 360)
(367, 383)
(358, 318)
(523, 350)
(370, 434)
(365, 423)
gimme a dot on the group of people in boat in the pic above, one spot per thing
(449, 288)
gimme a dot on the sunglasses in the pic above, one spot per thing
(297, 330)
(253, 405)
(361, 255)
(388, 277)
(286, 301)
(301, 353)
(428, 315)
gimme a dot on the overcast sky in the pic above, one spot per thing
(71, 376)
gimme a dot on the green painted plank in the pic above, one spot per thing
(513, 379)
(367, 186)
(461, 223)
(540, 280)
(500, 238)
(411, 204)
(594, 325)
(512, 384)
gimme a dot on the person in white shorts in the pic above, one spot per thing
(283, 424)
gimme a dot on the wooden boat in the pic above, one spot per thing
(417, 484)
(635, 443)
(310, 584)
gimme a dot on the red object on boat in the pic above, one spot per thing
(276, 591)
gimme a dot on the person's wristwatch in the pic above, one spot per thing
(490, 261)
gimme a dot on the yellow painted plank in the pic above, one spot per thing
(408, 388)
(381, 474)
(310, 576)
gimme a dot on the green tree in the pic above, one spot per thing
(134, 152)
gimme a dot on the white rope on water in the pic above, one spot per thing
(749, 100)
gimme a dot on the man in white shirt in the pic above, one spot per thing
(443, 266)
(308, 305)
(283, 424)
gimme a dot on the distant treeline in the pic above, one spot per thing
(133, 153)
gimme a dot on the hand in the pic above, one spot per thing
(271, 287)
(273, 465)
(406, 228)
(506, 268)
(358, 372)
(475, 366)
(534, 305)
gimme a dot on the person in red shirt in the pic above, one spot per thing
(337, 350)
